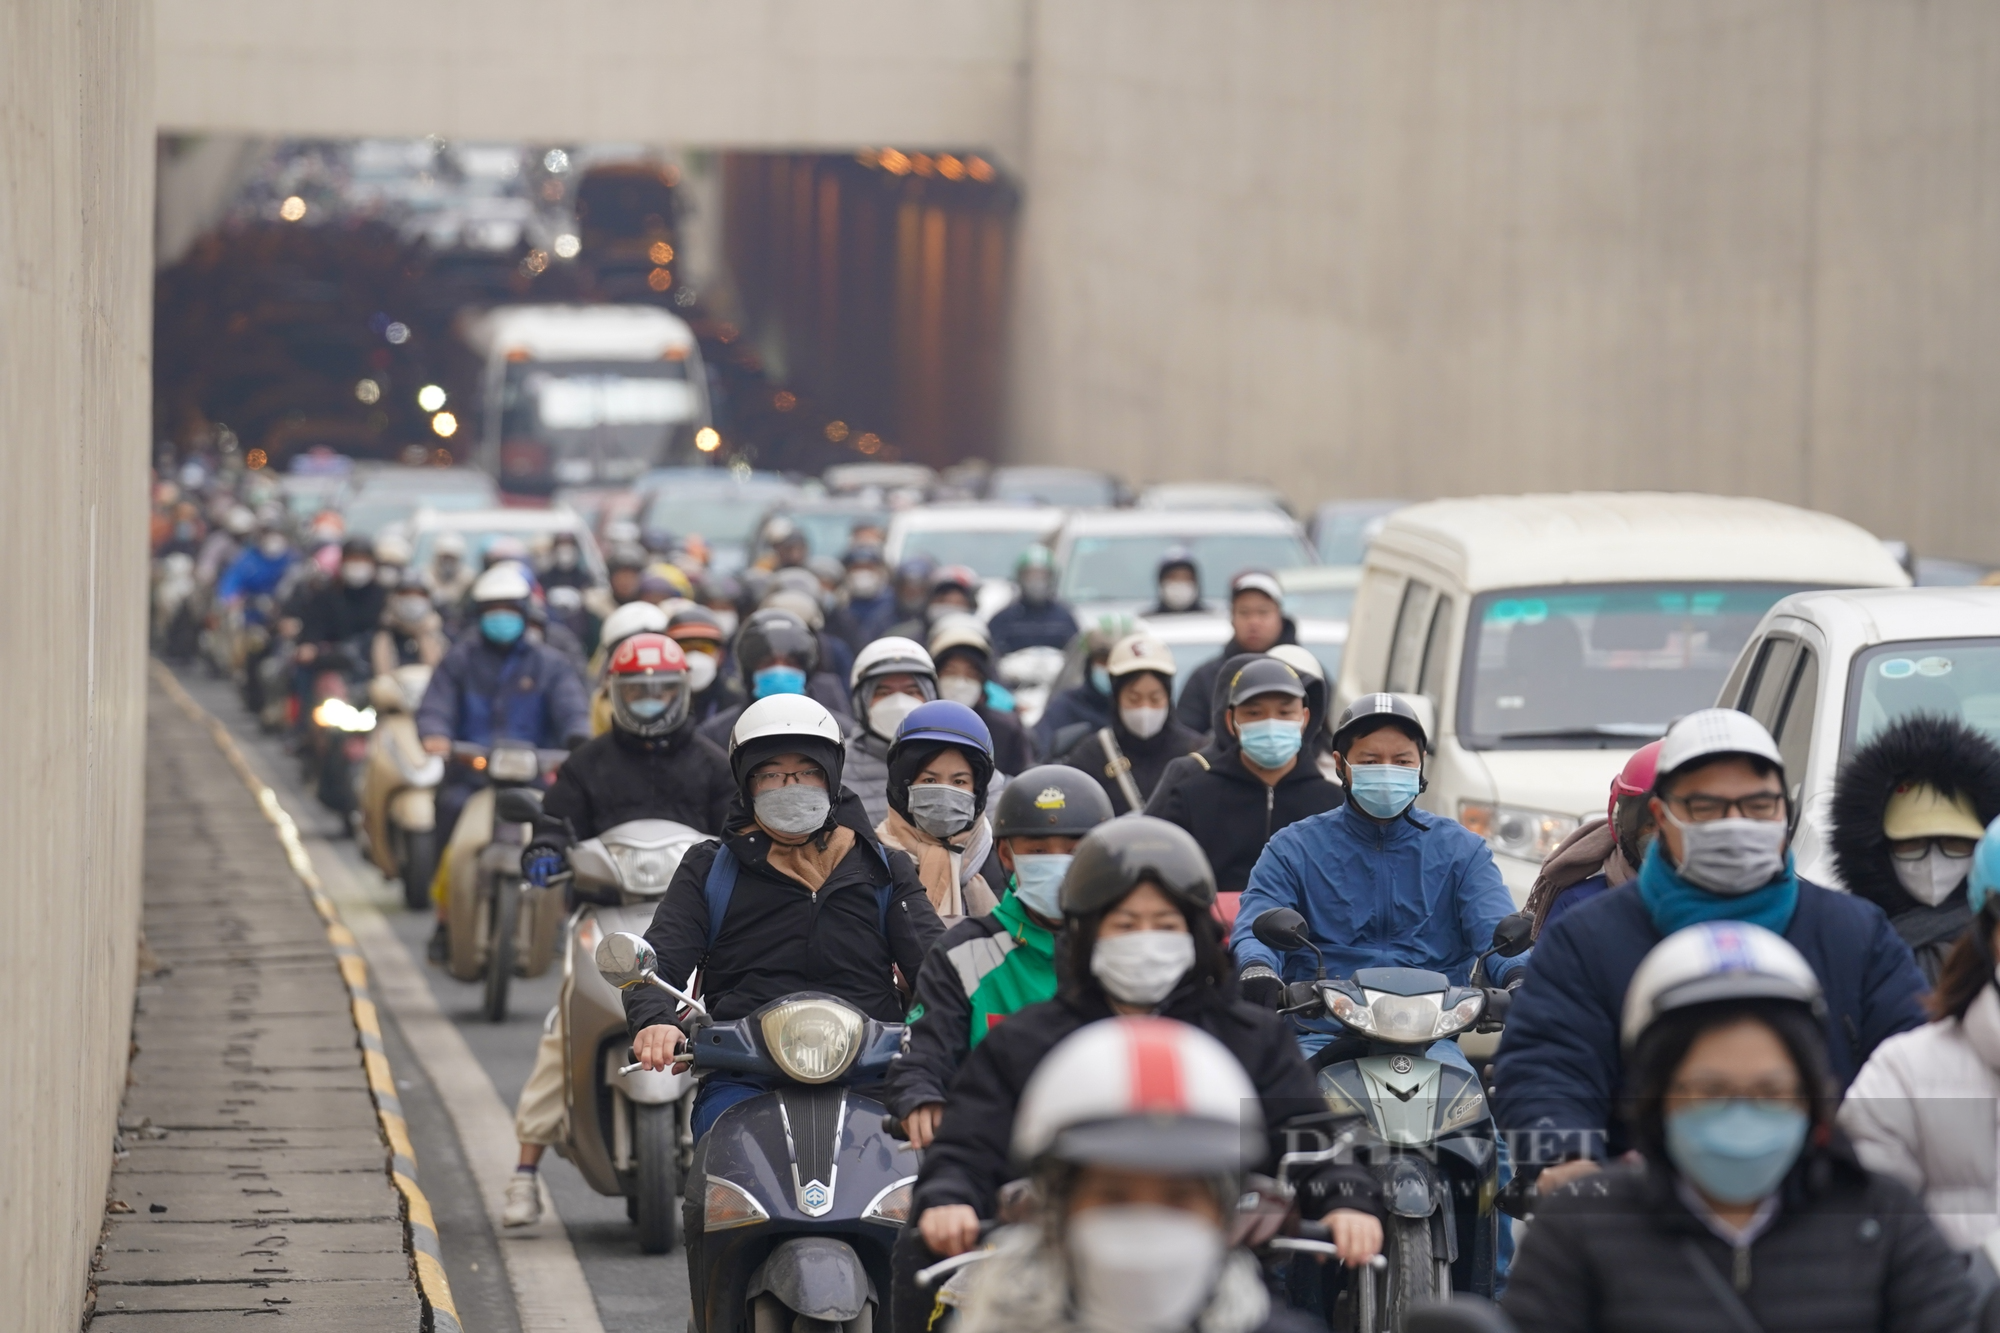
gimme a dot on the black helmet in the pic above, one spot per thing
(1050, 801)
(1370, 711)
(773, 633)
(1118, 856)
(1263, 675)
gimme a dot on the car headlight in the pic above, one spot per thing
(813, 1041)
(1464, 1108)
(1460, 1016)
(512, 763)
(892, 1205)
(1529, 834)
(725, 1205)
(646, 870)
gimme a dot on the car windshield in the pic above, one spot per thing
(477, 543)
(1343, 532)
(1601, 667)
(611, 419)
(1954, 678)
(367, 517)
(1121, 568)
(728, 514)
(832, 532)
(1055, 487)
(990, 555)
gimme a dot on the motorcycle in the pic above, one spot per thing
(492, 938)
(174, 593)
(628, 1130)
(336, 743)
(1424, 1126)
(399, 786)
(803, 1190)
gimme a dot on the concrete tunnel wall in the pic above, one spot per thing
(76, 147)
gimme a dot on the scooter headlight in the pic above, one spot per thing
(1403, 1018)
(813, 1041)
(1460, 1016)
(336, 714)
(512, 763)
(644, 870)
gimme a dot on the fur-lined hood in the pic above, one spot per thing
(1941, 751)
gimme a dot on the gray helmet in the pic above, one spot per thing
(1264, 675)
(1370, 711)
(1118, 856)
(1050, 801)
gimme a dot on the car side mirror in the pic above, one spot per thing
(1513, 934)
(517, 805)
(1282, 929)
(625, 960)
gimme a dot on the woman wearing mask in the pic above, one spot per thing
(1138, 938)
(963, 651)
(1748, 1209)
(1178, 580)
(411, 632)
(892, 678)
(939, 770)
(1907, 809)
(1129, 755)
(1921, 1109)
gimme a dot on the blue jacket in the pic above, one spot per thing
(1573, 897)
(252, 574)
(1418, 891)
(1559, 1061)
(1080, 705)
(1018, 625)
(529, 692)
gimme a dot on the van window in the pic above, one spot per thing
(1413, 623)
(1436, 646)
(1794, 730)
(1375, 607)
(1600, 666)
(1769, 677)
(1954, 678)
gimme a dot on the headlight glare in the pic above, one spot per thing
(512, 763)
(1403, 1018)
(813, 1041)
(644, 869)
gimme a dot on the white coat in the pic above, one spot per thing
(1923, 1110)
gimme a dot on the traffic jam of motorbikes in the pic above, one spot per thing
(1008, 900)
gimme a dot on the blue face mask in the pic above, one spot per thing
(1100, 680)
(1038, 878)
(1383, 790)
(1272, 743)
(646, 709)
(502, 627)
(778, 680)
(1736, 1152)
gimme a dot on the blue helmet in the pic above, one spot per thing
(1981, 885)
(929, 728)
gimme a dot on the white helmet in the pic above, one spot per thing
(786, 724)
(1715, 960)
(893, 656)
(449, 543)
(1147, 1094)
(1299, 659)
(240, 521)
(503, 583)
(1140, 652)
(960, 629)
(392, 549)
(1710, 732)
(632, 618)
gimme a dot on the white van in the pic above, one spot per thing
(1826, 671)
(1549, 636)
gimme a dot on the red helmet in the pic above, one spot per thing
(647, 679)
(1636, 778)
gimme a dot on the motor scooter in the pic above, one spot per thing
(334, 745)
(501, 925)
(173, 607)
(801, 1190)
(1423, 1126)
(399, 786)
(628, 1129)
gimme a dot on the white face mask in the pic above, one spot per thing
(272, 546)
(1179, 594)
(864, 583)
(358, 573)
(1931, 878)
(887, 713)
(1145, 723)
(1142, 1268)
(1143, 967)
(1732, 856)
(961, 690)
(566, 557)
(701, 672)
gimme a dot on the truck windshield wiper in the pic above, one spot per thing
(1612, 731)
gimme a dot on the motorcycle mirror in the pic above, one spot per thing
(625, 960)
(518, 805)
(1281, 928)
(1460, 1314)
(1512, 934)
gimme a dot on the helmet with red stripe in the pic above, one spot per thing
(1142, 1094)
(647, 680)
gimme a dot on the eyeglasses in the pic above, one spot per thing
(766, 779)
(1773, 1091)
(1765, 805)
(1914, 849)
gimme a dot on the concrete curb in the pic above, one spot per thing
(422, 1230)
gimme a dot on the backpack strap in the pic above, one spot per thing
(721, 883)
(1119, 769)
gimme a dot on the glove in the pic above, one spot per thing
(1261, 986)
(540, 864)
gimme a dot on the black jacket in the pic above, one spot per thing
(337, 613)
(1148, 758)
(618, 777)
(1197, 701)
(1013, 747)
(969, 1160)
(822, 686)
(1926, 747)
(779, 938)
(1613, 1253)
(1230, 811)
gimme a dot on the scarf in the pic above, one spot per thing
(1673, 903)
(808, 862)
(949, 873)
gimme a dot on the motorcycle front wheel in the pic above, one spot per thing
(420, 863)
(505, 922)
(1411, 1279)
(657, 1204)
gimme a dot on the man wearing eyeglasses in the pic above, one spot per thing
(1723, 854)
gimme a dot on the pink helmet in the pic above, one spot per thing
(1636, 778)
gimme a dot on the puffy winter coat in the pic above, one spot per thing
(1020, 625)
(1147, 758)
(865, 772)
(1560, 1065)
(617, 777)
(1925, 748)
(528, 692)
(1922, 1110)
(1847, 1252)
